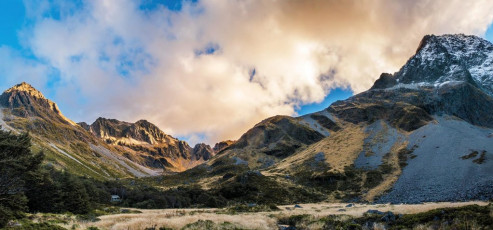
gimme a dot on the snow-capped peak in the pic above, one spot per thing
(447, 58)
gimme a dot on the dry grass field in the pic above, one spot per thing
(179, 218)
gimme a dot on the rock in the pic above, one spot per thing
(388, 217)
(371, 211)
(286, 227)
(218, 147)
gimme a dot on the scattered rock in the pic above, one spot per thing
(372, 211)
(286, 227)
(388, 217)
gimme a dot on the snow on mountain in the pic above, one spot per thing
(445, 59)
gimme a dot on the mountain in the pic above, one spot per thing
(146, 144)
(106, 149)
(421, 134)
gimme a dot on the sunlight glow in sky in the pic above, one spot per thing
(207, 70)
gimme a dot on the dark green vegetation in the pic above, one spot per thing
(467, 217)
(237, 185)
(26, 186)
(17, 166)
(208, 224)
(480, 160)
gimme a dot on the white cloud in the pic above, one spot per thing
(131, 64)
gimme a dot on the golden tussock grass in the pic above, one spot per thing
(341, 148)
(178, 218)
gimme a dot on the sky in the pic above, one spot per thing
(208, 70)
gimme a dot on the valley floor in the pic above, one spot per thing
(179, 218)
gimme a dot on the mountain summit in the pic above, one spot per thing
(446, 59)
(24, 100)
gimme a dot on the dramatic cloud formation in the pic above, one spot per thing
(215, 68)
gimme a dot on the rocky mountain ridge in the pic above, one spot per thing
(145, 143)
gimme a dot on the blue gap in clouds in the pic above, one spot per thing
(194, 138)
(173, 5)
(489, 33)
(334, 95)
(209, 49)
(62, 9)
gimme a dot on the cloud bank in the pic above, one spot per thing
(215, 68)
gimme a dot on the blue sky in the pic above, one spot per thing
(186, 65)
(13, 18)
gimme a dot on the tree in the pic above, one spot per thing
(17, 164)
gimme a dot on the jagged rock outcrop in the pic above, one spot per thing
(220, 146)
(202, 152)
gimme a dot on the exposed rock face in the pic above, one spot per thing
(202, 152)
(140, 131)
(218, 147)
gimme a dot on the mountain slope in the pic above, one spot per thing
(397, 142)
